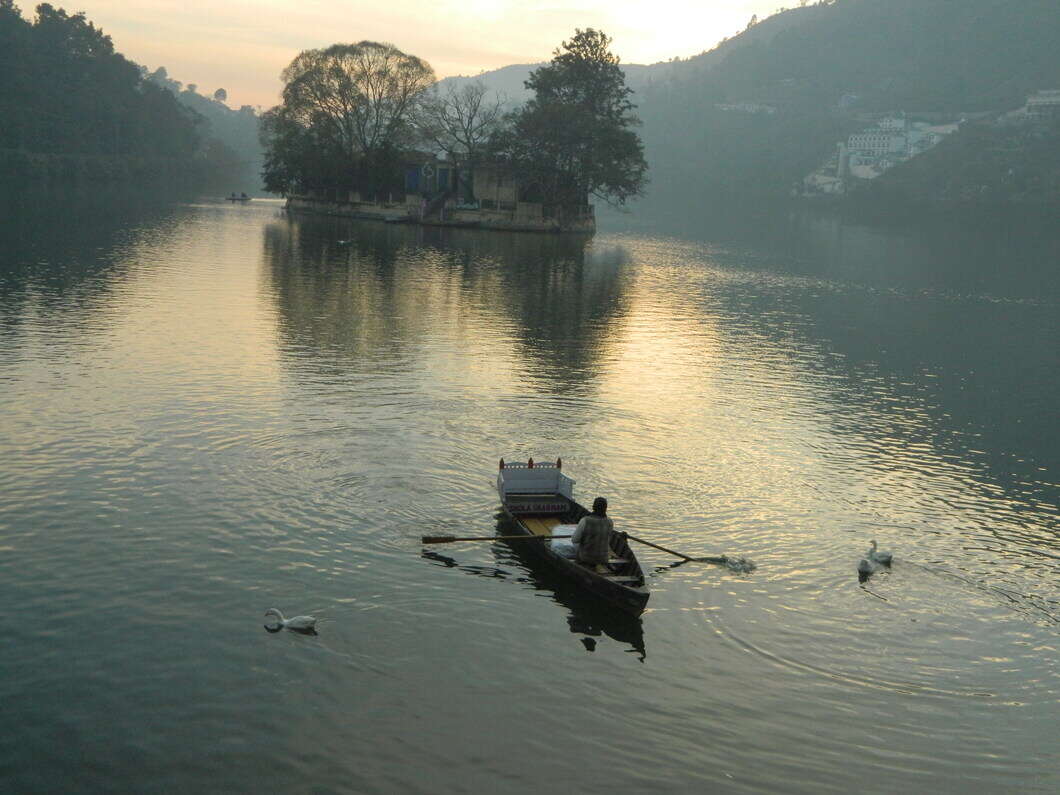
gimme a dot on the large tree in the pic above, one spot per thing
(574, 138)
(353, 99)
(460, 122)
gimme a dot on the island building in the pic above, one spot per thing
(437, 192)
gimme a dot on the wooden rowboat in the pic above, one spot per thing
(539, 500)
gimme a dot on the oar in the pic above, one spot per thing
(718, 559)
(736, 564)
(449, 539)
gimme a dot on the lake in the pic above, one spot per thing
(208, 410)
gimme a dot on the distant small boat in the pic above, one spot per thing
(241, 198)
(538, 498)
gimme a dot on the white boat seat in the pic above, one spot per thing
(620, 578)
(618, 560)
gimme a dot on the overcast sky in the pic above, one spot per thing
(242, 45)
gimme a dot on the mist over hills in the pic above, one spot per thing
(74, 111)
(509, 80)
(237, 130)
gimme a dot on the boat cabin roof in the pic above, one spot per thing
(533, 478)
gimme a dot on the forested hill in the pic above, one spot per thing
(914, 55)
(758, 113)
(75, 110)
(236, 129)
(508, 81)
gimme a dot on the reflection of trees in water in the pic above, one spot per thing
(361, 289)
(64, 253)
(330, 295)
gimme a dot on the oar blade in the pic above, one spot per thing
(438, 539)
(738, 564)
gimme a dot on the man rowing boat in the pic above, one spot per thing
(592, 537)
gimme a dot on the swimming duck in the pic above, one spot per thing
(305, 624)
(877, 556)
(867, 566)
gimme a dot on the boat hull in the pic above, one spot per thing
(632, 598)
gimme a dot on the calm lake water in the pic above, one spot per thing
(207, 410)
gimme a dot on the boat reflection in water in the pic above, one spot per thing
(587, 615)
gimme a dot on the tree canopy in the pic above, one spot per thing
(351, 100)
(352, 114)
(460, 122)
(574, 138)
(64, 89)
(73, 109)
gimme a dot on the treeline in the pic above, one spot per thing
(236, 129)
(75, 110)
(757, 113)
(887, 55)
(364, 118)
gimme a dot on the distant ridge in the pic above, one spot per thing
(754, 114)
(508, 80)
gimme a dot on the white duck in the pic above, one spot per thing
(298, 623)
(877, 556)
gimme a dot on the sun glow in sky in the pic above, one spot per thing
(242, 45)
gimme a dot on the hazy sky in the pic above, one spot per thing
(242, 45)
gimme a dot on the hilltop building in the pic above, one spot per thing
(870, 152)
(746, 107)
(1043, 105)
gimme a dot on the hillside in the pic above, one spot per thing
(509, 81)
(764, 111)
(982, 165)
(912, 55)
(756, 113)
(237, 130)
(75, 111)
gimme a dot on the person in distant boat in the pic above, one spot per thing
(243, 196)
(592, 537)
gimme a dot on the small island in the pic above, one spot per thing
(364, 132)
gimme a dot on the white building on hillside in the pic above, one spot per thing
(1044, 104)
(869, 153)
